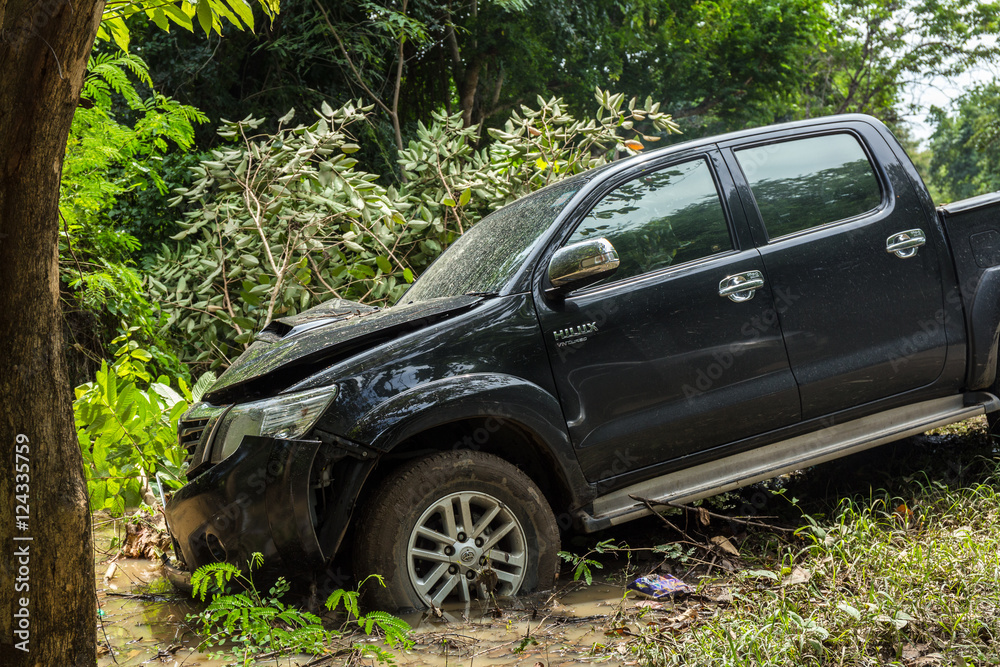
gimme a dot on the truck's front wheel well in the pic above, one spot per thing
(503, 438)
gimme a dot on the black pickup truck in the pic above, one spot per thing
(667, 327)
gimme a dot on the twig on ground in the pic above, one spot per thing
(649, 506)
(745, 521)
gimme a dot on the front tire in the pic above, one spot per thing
(452, 527)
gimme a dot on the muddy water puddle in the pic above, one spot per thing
(142, 617)
(145, 623)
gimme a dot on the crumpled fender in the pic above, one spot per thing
(501, 396)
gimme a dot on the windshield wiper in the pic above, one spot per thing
(487, 295)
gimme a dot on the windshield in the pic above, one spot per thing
(488, 256)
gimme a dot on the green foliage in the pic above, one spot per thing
(716, 65)
(876, 582)
(456, 185)
(127, 427)
(965, 151)
(877, 48)
(243, 625)
(727, 62)
(582, 564)
(898, 565)
(246, 624)
(395, 632)
(280, 222)
(720, 65)
(113, 150)
(674, 551)
(116, 146)
(208, 13)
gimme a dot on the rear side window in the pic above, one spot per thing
(805, 183)
(660, 219)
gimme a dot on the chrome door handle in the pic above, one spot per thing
(905, 244)
(741, 287)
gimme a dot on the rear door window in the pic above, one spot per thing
(810, 182)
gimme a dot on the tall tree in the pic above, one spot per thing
(47, 588)
(965, 151)
(729, 61)
(880, 46)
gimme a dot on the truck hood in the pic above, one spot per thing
(292, 348)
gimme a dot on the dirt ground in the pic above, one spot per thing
(145, 621)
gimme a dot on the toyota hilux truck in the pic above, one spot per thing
(667, 327)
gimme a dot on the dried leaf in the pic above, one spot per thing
(914, 651)
(724, 544)
(798, 575)
(681, 620)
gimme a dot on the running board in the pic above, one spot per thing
(769, 461)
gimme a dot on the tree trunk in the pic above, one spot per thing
(467, 87)
(47, 591)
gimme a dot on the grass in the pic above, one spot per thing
(898, 564)
(890, 557)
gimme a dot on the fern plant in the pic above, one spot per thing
(582, 564)
(117, 143)
(395, 632)
(245, 624)
(111, 151)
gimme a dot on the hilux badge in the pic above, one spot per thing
(572, 335)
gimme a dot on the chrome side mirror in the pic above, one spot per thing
(581, 264)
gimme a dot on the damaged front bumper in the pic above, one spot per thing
(290, 500)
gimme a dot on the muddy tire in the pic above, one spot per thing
(453, 527)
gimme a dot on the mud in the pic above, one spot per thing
(144, 622)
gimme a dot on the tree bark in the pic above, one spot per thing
(47, 589)
(466, 76)
(467, 87)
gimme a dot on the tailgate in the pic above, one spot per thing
(973, 229)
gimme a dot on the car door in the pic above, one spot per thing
(866, 319)
(653, 364)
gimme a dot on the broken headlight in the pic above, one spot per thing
(287, 416)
